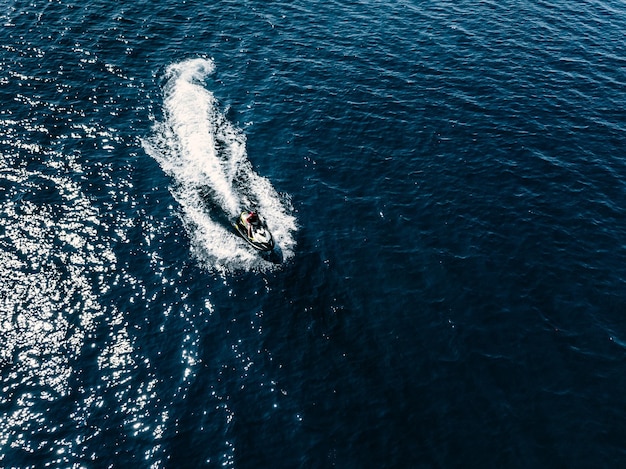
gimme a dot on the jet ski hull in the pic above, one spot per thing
(261, 239)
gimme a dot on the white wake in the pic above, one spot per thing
(213, 179)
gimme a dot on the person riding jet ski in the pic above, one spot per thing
(253, 229)
(252, 219)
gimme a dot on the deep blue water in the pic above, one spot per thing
(446, 184)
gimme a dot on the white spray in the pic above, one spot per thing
(212, 178)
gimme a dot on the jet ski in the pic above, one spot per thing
(261, 238)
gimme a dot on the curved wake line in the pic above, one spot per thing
(213, 180)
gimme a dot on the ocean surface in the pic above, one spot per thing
(446, 184)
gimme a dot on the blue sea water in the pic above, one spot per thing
(446, 185)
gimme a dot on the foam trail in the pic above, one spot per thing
(212, 178)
